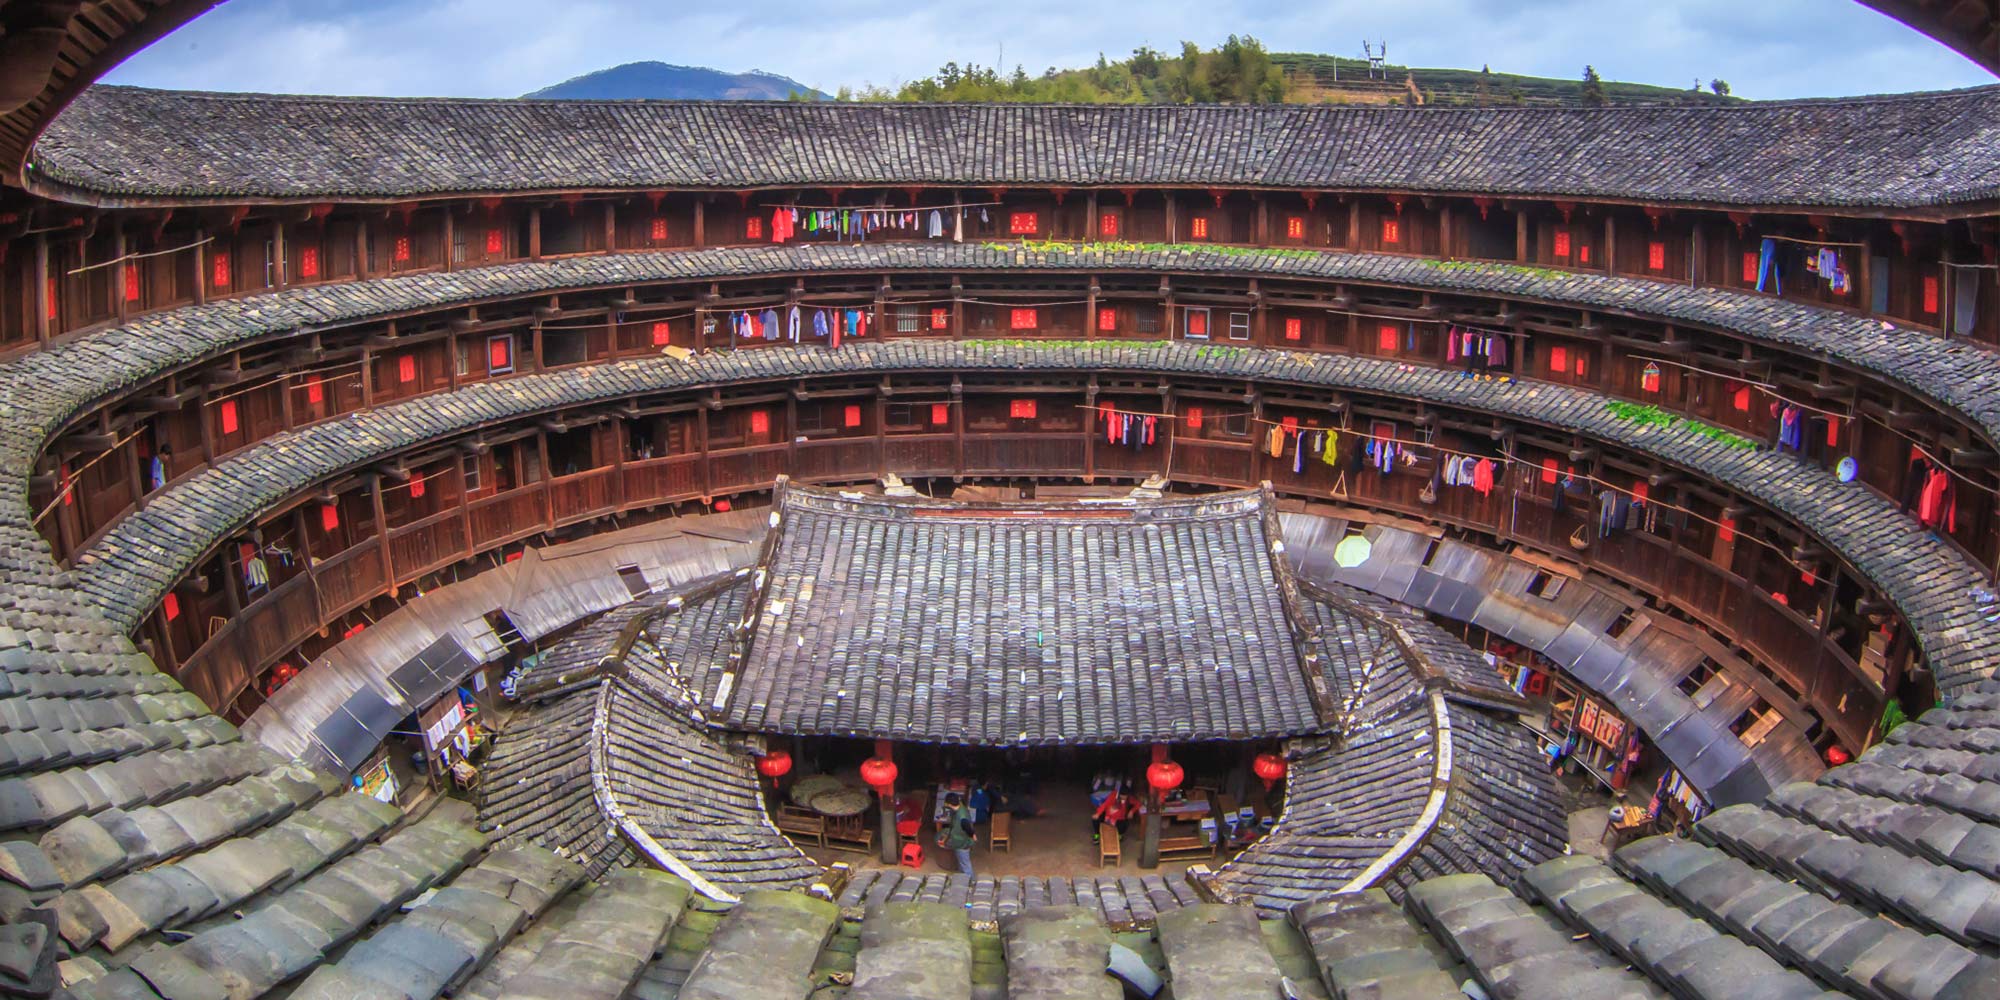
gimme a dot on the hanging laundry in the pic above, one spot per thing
(1274, 442)
(1482, 477)
(1329, 449)
(1790, 428)
(769, 321)
(937, 225)
(1151, 424)
(1769, 277)
(792, 324)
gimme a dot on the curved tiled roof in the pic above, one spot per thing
(131, 566)
(1907, 151)
(1038, 623)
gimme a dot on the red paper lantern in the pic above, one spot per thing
(1836, 755)
(1164, 776)
(879, 773)
(1270, 767)
(775, 765)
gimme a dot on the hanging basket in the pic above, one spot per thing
(1579, 539)
(1340, 486)
(1429, 494)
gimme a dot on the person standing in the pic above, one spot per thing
(957, 835)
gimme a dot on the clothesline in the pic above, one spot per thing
(1814, 243)
(68, 485)
(1934, 460)
(885, 207)
(142, 256)
(1764, 387)
(266, 383)
(414, 480)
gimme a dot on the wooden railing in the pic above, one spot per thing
(1024, 454)
(658, 480)
(583, 495)
(428, 545)
(819, 461)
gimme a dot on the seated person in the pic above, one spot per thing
(1117, 809)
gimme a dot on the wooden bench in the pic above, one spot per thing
(802, 823)
(1183, 847)
(850, 833)
(1109, 851)
(1002, 834)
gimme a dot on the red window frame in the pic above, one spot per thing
(1023, 223)
(1023, 319)
(1197, 323)
(1021, 409)
(500, 354)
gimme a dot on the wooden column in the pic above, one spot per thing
(1090, 310)
(120, 281)
(700, 223)
(1947, 278)
(1091, 229)
(1262, 233)
(620, 440)
(361, 268)
(957, 308)
(1354, 223)
(1447, 233)
(1149, 844)
(1610, 243)
(707, 474)
(1172, 218)
(610, 226)
(450, 240)
(1520, 236)
(41, 292)
(1258, 315)
(1697, 253)
(382, 531)
(1091, 430)
(535, 233)
(279, 272)
(548, 477)
(367, 376)
(892, 848)
(1864, 279)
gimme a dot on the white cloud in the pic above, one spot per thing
(497, 48)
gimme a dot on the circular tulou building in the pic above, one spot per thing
(575, 550)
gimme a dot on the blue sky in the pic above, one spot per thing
(503, 48)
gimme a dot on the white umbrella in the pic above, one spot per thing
(1352, 551)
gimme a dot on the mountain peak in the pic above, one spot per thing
(664, 81)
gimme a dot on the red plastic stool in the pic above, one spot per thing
(913, 855)
(907, 829)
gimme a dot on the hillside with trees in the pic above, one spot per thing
(1241, 71)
